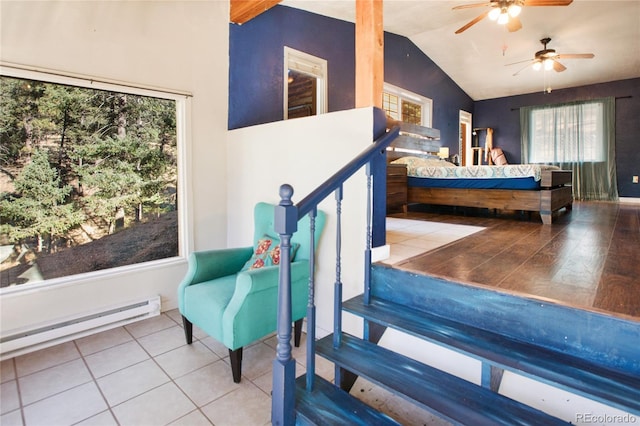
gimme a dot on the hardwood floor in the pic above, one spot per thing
(589, 257)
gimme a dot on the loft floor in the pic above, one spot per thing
(588, 257)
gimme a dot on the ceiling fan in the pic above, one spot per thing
(506, 12)
(548, 58)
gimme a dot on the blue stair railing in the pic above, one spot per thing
(286, 218)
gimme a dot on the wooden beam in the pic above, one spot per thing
(369, 53)
(242, 11)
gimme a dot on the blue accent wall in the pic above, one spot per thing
(503, 115)
(256, 70)
(256, 62)
(408, 67)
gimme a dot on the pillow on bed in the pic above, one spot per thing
(415, 162)
(498, 157)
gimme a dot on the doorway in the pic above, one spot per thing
(305, 84)
(464, 142)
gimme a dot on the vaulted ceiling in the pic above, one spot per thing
(476, 59)
(242, 11)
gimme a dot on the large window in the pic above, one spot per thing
(88, 176)
(567, 133)
(577, 136)
(406, 106)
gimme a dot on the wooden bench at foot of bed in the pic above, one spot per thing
(551, 197)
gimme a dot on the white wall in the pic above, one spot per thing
(181, 45)
(304, 152)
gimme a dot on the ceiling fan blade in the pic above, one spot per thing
(558, 67)
(520, 62)
(473, 22)
(523, 68)
(547, 2)
(514, 24)
(468, 6)
(575, 55)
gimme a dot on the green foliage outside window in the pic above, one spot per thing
(77, 165)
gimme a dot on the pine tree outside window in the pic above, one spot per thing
(88, 177)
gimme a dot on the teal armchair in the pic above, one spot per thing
(237, 305)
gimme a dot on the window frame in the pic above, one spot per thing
(596, 147)
(406, 95)
(182, 101)
(310, 65)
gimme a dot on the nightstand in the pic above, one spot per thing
(396, 187)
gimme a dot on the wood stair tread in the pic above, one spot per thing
(328, 405)
(452, 397)
(571, 373)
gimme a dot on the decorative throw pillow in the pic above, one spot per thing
(498, 157)
(267, 253)
(415, 162)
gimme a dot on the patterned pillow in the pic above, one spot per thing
(415, 162)
(267, 253)
(498, 157)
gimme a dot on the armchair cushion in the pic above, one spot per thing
(207, 301)
(241, 308)
(267, 253)
(252, 312)
(208, 265)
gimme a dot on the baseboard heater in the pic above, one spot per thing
(22, 341)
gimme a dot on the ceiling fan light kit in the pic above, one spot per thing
(514, 10)
(506, 11)
(503, 18)
(549, 58)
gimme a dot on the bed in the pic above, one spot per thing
(526, 187)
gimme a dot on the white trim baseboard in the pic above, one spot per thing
(628, 200)
(380, 253)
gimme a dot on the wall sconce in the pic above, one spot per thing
(443, 152)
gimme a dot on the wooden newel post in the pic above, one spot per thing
(369, 53)
(284, 368)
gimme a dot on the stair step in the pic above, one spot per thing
(455, 399)
(327, 405)
(570, 373)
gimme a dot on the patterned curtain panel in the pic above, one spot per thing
(577, 136)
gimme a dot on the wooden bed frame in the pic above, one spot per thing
(554, 194)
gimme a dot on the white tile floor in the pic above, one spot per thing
(144, 374)
(140, 374)
(409, 238)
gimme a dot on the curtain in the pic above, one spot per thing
(577, 136)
